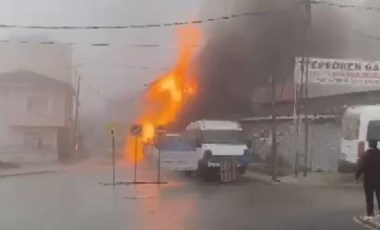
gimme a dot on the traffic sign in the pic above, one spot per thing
(111, 128)
(136, 130)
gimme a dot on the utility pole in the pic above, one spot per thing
(76, 116)
(306, 98)
(135, 161)
(113, 156)
(274, 129)
(297, 99)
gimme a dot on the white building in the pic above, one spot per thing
(35, 113)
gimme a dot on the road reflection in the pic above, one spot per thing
(166, 206)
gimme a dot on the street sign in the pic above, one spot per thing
(111, 127)
(136, 130)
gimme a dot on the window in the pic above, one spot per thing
(33, 140)
(223, 136)
(37, 104)
(350, 126)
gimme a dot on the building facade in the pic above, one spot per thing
(326, 105)
(36, 113)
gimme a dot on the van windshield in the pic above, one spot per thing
(350, 126)
(223, 136)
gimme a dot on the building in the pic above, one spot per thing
(36, 114)
(326, 105)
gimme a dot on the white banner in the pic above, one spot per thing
(180, 160)
(338, 71)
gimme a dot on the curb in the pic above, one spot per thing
(5, 175)
(261, 178)
(257, 176)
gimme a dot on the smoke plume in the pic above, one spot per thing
(241, 54)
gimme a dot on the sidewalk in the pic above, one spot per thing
(312, 179)
(29, 164)
(32, 169)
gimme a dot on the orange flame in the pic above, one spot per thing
(167, 96)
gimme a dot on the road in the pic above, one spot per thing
(75, 200)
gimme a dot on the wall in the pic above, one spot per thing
(15, 120)
(55, 116)
(49, 139)
(324, 145)
(336, 104)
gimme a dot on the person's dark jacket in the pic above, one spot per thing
(369, 165)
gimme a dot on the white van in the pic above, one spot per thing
(217, 140)
(356, 123)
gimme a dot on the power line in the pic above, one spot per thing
(96, 44)
(143, 26)
(347, 6)
(131, 66)
(96, 91)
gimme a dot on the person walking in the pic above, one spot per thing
(369, 165)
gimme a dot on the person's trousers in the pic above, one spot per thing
(370, 189)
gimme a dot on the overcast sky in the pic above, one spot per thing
(106, 68)
(103, 67)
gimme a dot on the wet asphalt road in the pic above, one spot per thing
(75, 200)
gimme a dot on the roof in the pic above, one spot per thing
(285, 92)
(214, 125)
(289, 118)
(371, 109)
(31, 78)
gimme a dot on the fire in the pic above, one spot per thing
(167, 96)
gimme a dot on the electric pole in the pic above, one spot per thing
(306, 98)
(76, 116)
(274, 129)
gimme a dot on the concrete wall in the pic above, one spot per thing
(16, 121)
(48, 139)
(56, 114)
(324, 145)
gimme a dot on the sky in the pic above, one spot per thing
(107, 71)
(112, 71)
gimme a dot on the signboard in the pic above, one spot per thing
(177, 155)
(111, 128)
(338, 71)
(179, 160)
(136, 130)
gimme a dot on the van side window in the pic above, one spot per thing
(350, 126)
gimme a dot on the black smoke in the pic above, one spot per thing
(240, 54)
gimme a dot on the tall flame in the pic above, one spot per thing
(167, 96)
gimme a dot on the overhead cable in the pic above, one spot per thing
(142, 26)
(346, 6)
